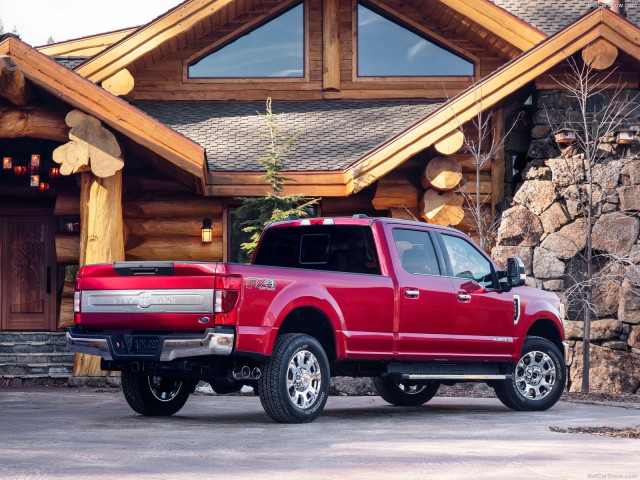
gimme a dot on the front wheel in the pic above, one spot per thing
(537, 379)
(154, 395)
(294, 385)
(405, 393)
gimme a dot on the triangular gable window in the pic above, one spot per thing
(275, 49)
(387, 49)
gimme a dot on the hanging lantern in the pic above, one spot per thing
(206, 230)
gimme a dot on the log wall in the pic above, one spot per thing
(160, 75)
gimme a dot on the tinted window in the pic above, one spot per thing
(315, 248)
(338, 248)
(467, 261)
(416, 252)
(388, 49)
(275, 49)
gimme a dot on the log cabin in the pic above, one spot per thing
(118, 146)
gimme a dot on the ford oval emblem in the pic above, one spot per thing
(204, 319)
(144, 300)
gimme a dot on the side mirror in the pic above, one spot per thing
(516, 276)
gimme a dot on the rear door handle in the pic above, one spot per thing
(411, 293)
(464, 297)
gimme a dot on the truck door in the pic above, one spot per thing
(425, 323)
(484, 315)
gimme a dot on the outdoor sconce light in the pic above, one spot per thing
(624, 136)
(206, 230)
(54, 172)
(20, 170)
(565, 135)
(7, 163)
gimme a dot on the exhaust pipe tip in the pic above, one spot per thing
(256, 373)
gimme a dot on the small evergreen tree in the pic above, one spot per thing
(274, 206)
(50, 40)
(1, 27)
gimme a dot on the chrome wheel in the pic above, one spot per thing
(304, 379)
(411, 388)
(535, 375)
(164, 389)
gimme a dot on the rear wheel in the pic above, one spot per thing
(294, 385)
(538, 378)
(405, 393)
(154, 395)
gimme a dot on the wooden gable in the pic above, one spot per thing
(158, 54)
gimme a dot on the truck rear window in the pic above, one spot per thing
(337, 248)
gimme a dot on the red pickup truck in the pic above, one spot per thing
(410, 304)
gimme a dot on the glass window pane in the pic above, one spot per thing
(275, 49)
(388, 49)
(416, 252)
(467, 261)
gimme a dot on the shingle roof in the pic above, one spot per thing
(334, 134)
(70, 62)
(551, 16)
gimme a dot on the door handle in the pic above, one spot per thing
(464, 297)
(411, 293)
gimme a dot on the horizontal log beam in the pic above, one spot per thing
(67, 248)
(178, 248)
(33, 121)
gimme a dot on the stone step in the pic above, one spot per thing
(59, 369)
(30, 337)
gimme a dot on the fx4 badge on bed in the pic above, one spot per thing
(260, 283)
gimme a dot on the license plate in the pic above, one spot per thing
(145, 345)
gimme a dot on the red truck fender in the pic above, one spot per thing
(540, 317)
(299, 297)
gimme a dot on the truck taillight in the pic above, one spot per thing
(76, 302)
(227, 292)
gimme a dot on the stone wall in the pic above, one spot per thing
(545, 226)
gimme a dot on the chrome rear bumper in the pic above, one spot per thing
(215, 341)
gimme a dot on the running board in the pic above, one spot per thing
(437, 376)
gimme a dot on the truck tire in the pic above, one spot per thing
(405, 393)
(294, 385)
(153, 395)
(538, 378)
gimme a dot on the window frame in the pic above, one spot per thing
(245, 29)
(434, 244)
(413, 26)
(447, 261)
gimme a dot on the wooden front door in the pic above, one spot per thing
(27, 270)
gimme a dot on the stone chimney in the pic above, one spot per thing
(616, 6)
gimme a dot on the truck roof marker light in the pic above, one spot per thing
(316, 221)
(305, 222)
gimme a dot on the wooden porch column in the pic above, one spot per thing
(94, 152)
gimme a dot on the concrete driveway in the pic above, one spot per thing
(79, 433)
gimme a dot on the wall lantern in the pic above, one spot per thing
(35, 180)
(624, 136)
(54, 172)
(20, 170)
(206, 230)
(565, 135)
(7, 163)
(35, 161)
